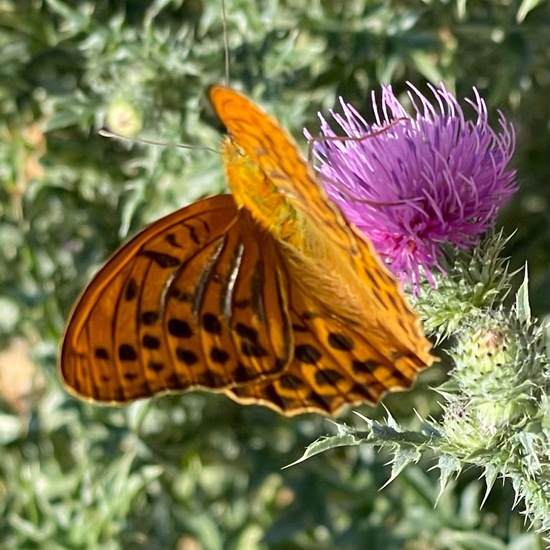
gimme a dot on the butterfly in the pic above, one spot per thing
(266, 294)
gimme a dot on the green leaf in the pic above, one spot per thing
(325, 444)
(401, 459)
(526, 7)
(522, 299)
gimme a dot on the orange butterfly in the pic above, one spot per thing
(267, 294)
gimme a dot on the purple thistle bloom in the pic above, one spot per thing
(412, 185)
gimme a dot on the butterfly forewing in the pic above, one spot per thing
(278, 157)
(181, 305)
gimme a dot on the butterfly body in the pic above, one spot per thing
(267, 294)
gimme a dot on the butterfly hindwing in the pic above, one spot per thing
(182, 305)
(335, 363)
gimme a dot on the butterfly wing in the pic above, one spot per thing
(195, 300)
(278, 157)
(327, 257)
(269, 295)
(335, 363)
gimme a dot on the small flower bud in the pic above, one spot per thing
(123, 118)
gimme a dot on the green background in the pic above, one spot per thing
(198, 471)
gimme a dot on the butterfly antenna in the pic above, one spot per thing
(108, 134)
(356, 139)
(354, 198)
(225, 42)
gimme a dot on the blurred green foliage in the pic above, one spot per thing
(198, 471)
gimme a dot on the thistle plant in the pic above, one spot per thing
(434, 184)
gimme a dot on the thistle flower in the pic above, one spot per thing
(414, 184)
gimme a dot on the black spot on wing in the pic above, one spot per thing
(187, 356)
(256, 287)
(364, 367)
(328, 377)
(179, 328)
(340, 341)
(211, 379)
(372, 279)
(211, 324)
(155, 366)
(126, 352)
(322, 402)
(131, 290)
(150, 342)
(290, 382)
(101, 353)
(219, 355)
(192, 233)
(307, 353)
(161, 259)
(243, 373)
(246, 332)
(171, 239)
(253, 350)
(149, 317)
